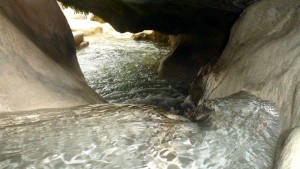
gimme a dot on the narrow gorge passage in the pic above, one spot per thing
(123, 70)
(243, 57)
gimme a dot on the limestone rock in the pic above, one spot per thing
(172, 17)
(189, 53)
(38, 67)
(290, 155)
(150, 35)
(83, 45)
(262, 57)
(78, 37)
(97, 19)
(207, 21)
(79, 40)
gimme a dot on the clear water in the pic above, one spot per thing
(125, 71)
(239, 131)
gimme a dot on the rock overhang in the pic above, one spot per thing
(167, 16)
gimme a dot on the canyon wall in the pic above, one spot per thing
(261, 57)
(39, 69)
(38, 64)
(199, 28)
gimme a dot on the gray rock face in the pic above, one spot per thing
(207, 21)
(169, 16)
(38, 64)
(262, 57)
(189, 53)
(289, 157)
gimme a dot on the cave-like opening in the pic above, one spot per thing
(197, 37)
(51, 118)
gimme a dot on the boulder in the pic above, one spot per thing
(83, 45)
(78, 37)
(97, 19)
(150, 35)
(79, 40)
(38, 63)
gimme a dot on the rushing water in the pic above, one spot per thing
(239, 131)
(125, 71)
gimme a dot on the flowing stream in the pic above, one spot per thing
(238, 131)
(125, 71)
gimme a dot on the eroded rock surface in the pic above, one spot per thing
(289, 157)
(207, 22)
(174, 16)
(150, 35)
(38, 64)
(189, 53)
(262, 56)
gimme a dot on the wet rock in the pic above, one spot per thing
(97, 19)
(262, 57)
(164, 16)
(207, 22)
(39, 68)
(83, 45)
(79, 40)
(189, 54)
(78, 37)
(289, 158)
(150, 35)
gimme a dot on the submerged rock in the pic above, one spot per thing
(261, 57)
(137, 136)
(252, 124)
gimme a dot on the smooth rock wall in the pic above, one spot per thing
(290, 155)
(38, 64)
(204, 24)
(191, 52)
(262, 57)
(170, 17)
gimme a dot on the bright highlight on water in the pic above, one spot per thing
(240, 132)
